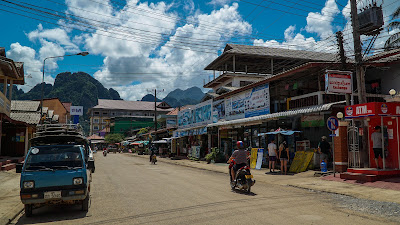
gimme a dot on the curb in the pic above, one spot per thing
(10, 216)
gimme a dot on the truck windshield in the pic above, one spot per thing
(54, 158)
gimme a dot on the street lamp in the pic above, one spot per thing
(44, 62)
(339, 115)
(392, 92)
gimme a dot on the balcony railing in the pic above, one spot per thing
(5, 104)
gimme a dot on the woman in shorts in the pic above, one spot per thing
(284, 156)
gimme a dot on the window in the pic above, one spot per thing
(95, 127)
(104, 121)
(95, 120)
(113, 113)
(245, 83)
(145, 114)
(102, 127)
(96, 113)
(105, 113)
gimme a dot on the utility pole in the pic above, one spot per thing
(339, 37)
(362, 98)
(155, 109)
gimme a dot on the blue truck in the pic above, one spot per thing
(57, 169)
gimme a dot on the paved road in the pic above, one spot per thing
(128, 190)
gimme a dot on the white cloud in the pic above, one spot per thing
(57, 35)
(219, 2)
(321, 23)
(165, 64)
(32, 65)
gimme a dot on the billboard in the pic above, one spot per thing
(254, 102)
(200, 114)
(76, 111)
(171, 123)
(338, 82)
(218, 110)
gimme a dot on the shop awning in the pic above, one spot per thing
(311, 109)
(160, 142)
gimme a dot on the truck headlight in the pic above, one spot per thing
(29, 184)
(78, 181)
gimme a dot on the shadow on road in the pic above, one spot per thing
(243, 192)
(52, 214)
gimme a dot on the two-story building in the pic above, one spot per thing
(101, 114)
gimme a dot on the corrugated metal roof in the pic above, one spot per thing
(27, 117)
(279, 52)
(127, 105)
(312, 109)
(175, 111)
(25, 106)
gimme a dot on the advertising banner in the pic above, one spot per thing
(218, 110)
(338, 82)
(235, 106)
(260, 156)
(253, 158)
(200, 114)
(258, 102)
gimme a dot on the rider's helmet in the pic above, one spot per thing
(240, 144)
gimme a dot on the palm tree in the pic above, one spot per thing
(394, 40)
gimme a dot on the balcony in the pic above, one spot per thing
(5, 104)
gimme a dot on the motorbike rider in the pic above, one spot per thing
(153, 151)
(240, 156)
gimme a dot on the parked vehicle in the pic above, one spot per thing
(243, 179)
(57, 169)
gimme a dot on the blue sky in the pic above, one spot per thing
(139, 45)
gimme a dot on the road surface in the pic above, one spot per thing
(129, 190)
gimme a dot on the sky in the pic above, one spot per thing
(138, 46)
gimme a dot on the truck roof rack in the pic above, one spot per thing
(48, 134)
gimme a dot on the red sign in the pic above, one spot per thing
(338, 82)
(373, 109)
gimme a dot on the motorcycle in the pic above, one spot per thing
(244, 179)
(154, 159)
(105, 153)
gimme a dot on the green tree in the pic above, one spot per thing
(142, 131)
(114, 138)
(394, 40)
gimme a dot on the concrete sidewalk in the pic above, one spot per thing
(304, 180)
(10, 203)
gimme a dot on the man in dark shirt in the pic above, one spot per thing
(324, 149)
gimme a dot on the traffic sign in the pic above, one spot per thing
(332, 123)
(332, 135)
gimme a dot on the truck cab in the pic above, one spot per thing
(57, 170)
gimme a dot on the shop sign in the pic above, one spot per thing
(171, 123)
(235, 106)
(360, 110)
(338, 82)
(312, 120)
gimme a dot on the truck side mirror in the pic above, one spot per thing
(18, 167)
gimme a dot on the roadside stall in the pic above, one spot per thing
(140, 146)
(386, 115)
(162, 146)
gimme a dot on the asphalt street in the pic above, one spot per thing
(129, 190)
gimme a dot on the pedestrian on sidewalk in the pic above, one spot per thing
(272, 155)
(284, 156)
(324, 150)
(377, 144)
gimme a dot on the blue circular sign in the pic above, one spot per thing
(332, 123)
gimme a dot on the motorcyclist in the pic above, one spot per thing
(240, 157)
(153, 151)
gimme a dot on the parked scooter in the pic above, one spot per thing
(243, 179)
(104, 153)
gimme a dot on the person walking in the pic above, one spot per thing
(284, 156)
(272, 155)
(377, 144)
(324, 150)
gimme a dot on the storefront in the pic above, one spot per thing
(386, 115)
(190, 140)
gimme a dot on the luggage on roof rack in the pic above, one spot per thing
(48, 134)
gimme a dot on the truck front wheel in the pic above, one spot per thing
(85, 203)
(28, 210)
